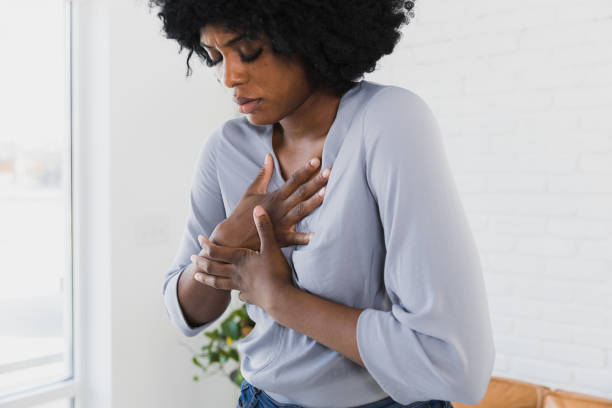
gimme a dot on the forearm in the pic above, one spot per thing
(202, 303)
(331, 324)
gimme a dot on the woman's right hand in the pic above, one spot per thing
(297, 198)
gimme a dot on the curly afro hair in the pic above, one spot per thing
(337, 40)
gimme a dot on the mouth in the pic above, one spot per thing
(249, 106)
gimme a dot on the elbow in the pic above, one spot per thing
(477, 361)
(472, 392)
(471, 388)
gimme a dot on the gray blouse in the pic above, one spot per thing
(391, 237)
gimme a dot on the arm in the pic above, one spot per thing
(436, 341)
(437, 337)
(322, 315)
(192, 306)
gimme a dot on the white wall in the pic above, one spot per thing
(140, 124)
(523, 93)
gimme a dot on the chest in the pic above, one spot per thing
(291, 158)
(344, 259)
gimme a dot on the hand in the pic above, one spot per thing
(259, 276)
(285, 206)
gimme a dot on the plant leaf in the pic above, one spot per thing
(233, 354)
(214, 357)
(196, 362)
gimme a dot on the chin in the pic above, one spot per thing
(258, 120)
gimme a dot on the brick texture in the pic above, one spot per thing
(523, 94)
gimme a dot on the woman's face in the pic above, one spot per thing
(253, 71)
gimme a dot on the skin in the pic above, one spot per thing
(302, 116)
(288, 204)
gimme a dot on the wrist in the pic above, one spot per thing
(221, 235)
(225, 234)
(276, 303)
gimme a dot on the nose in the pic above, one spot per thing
(231, 72)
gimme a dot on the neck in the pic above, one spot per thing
(311, 121)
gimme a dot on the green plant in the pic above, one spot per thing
(220, 347)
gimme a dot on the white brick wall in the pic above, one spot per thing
(523, 93)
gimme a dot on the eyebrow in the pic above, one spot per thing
(230, 42)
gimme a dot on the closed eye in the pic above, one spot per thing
(243, 58)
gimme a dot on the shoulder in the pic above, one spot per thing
(396, 114)
(238, 129)
(228, 130)
(393, 103)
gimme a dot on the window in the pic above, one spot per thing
(36, 346)
(55, 404)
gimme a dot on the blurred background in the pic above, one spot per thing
(99, 134)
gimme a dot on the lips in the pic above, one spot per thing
(242, 100)
(249, 106)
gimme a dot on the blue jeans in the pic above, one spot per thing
(253, 397)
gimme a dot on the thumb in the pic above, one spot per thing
(260, 184)
(265, 229)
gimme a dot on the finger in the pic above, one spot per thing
(213, 267)
(296, 238)
(260, 184)
(215, 281)
(304, 208)
(242, 297)
(299, 177)
(307, 190)
(217, 252)
(265, 229)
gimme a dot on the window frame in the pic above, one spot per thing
(67, 389)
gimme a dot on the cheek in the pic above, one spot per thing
(283, 86)
(279, 76)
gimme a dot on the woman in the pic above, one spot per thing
(364, 282)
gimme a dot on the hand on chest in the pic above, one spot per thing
(342, 261)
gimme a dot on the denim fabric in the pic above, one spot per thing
(253, 397)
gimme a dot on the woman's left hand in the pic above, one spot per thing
(259, 276)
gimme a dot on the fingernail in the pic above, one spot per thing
(322, 191)
(199, 277)
(267, 159)
(258, 211)
(326, 172)
(192, 258)
(313, 162)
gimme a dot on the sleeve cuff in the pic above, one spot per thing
(362, 342)
(174, 309)
(370, 337)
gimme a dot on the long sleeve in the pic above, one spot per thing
(206, 211)
(436, 341)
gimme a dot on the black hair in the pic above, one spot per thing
(337, 40)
